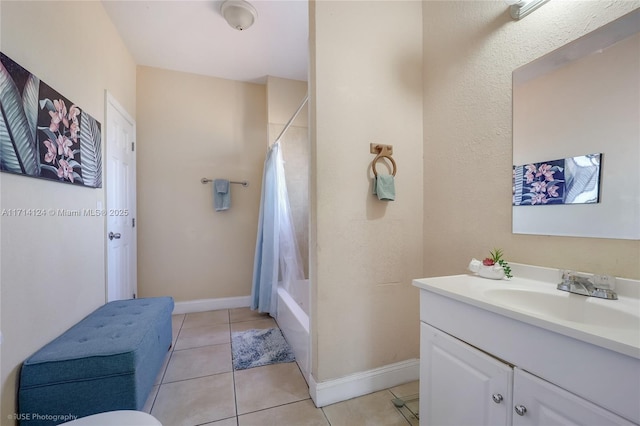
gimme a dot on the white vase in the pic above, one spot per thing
(494, 272)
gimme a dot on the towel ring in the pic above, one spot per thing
(379, 157)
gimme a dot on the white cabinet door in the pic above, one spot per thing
(458, 383)
(539, 402)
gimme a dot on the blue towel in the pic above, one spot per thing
(384, 187)
(221, 195)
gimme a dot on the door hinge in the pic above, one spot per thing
(133, 222)
(133, 146)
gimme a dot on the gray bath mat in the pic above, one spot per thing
(253, 348)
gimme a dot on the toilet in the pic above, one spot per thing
(116, 418)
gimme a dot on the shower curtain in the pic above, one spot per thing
(277, 259)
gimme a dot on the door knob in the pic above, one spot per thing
(497, 398)
(520, 410)
(116, 235)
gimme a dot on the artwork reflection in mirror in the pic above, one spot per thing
(574, 180)
(580, 99)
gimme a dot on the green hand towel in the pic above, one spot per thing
(384, 187)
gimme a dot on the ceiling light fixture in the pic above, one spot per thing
(521, 8)
(239, 14)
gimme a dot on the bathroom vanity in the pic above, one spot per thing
(521, 352)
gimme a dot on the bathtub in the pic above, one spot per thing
(294, 322)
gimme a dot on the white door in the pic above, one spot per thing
(121, 202)
(538, 402)
(461, 385)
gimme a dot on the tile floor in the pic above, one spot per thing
(197, 384)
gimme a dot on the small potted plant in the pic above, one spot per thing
(494, 267)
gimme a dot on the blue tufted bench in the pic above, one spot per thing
(108, 361)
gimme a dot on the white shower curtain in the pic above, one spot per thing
(277, 259)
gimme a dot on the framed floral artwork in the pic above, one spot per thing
(43, 134)
(574, 180)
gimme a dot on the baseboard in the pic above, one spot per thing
(337, 390)
(203, 305)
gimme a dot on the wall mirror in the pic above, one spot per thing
(581, 99)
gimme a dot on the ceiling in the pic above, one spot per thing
(193, 37)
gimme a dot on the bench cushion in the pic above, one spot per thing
(108, 361)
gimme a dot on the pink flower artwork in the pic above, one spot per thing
(571, 180)
(47, 135)
(62, 142)
(51, 151)
(65, 171)
(540, 183)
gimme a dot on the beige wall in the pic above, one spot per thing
(190, 127)
(283, 99)
(366, 86)
(53, 268)
(470, 50)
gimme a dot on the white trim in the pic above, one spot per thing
(363, 383)
(203, 305)
(110, 99)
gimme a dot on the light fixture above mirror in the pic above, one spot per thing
(521, 8)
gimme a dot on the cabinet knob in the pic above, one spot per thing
(497, 398)
(520, 410)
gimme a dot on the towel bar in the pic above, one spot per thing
(243, 183)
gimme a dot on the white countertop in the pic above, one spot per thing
(622, 337)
